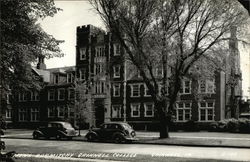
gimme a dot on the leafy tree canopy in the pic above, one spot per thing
(23, 40)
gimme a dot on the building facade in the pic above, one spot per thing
(111, 91)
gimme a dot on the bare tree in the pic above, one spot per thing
(174, 33)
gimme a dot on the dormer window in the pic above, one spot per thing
(82, 53)
(117, 49)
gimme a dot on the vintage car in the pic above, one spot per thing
(56, 129)
(112, 131)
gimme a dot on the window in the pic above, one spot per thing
(51, 95)
(61, 94)
(116, 111)
(100, 87)
(8, 98)
(71, 94)
(206, 86)
(117, 49)
(82, 53)
(56, 78)
(22, 114)
(149, 109)
(35, 96)
(116, 69)
(146, 91)
(185, 87)
(116, 90)
(183, 111)
(51, 111)
(8, 113)
(206, 111)
(70, 78)
(99, 68)
(135, 110)
(100, 51)
(135, 90)
(23, 96)
(60, 111)
(82, 74)
(34, 114)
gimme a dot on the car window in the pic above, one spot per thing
(126, 126)
(49, 125)
(104, 126)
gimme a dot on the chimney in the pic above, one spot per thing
(41, 64)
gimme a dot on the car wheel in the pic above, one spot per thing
(58, 137)
(118, 139)
(91, 137)
(35, 136)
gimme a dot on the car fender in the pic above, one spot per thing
(91, 132)
(38, 132)
(61, 133)
(118, 134)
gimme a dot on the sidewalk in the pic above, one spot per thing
(206, 139)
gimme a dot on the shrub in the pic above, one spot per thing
(191, 126)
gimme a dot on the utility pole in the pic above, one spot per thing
(124, 90)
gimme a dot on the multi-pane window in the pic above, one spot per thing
(56, 78)
(135, 90)
(22, 114)
(116, 90)
(99, 68)
(99, 51)
(34, 114)
(100, 87)
(206, 111)
(35, 96)
(70, 78)
(116, 70)
(116, 111)
(51, 111)
(185, 87)
(23, 96)
(60, 111)
(8, 113)
(82, 74)
(135, 110)
(82, 53)
(183, 111)
(206, 86)
(71, 94)
(61, 94)
(117, 49)
(146, 90)
(149, 109)
(51, 95)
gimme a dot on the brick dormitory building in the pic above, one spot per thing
(114, 93)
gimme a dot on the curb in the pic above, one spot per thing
(142, 141)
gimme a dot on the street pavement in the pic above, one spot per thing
(125, 152)
(211, 139)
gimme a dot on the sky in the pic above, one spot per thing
(78, 13)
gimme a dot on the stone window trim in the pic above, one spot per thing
(146, 91)
(61, 97)
(22, 114)
(35, 112)
(71, 93)
(82, 73)
(8, 113)
(117, 49)
(186, 88)
(134, 92)
(51, 111)
(116, 88)
(206, 107)
(185, 109)
(70, 77)
(135, 107)
(146, 109)
(51, 95)
(117, 71)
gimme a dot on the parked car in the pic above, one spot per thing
(57, 130)
(112, 131)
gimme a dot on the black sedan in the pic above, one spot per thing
(57, 130)
(112, 131)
